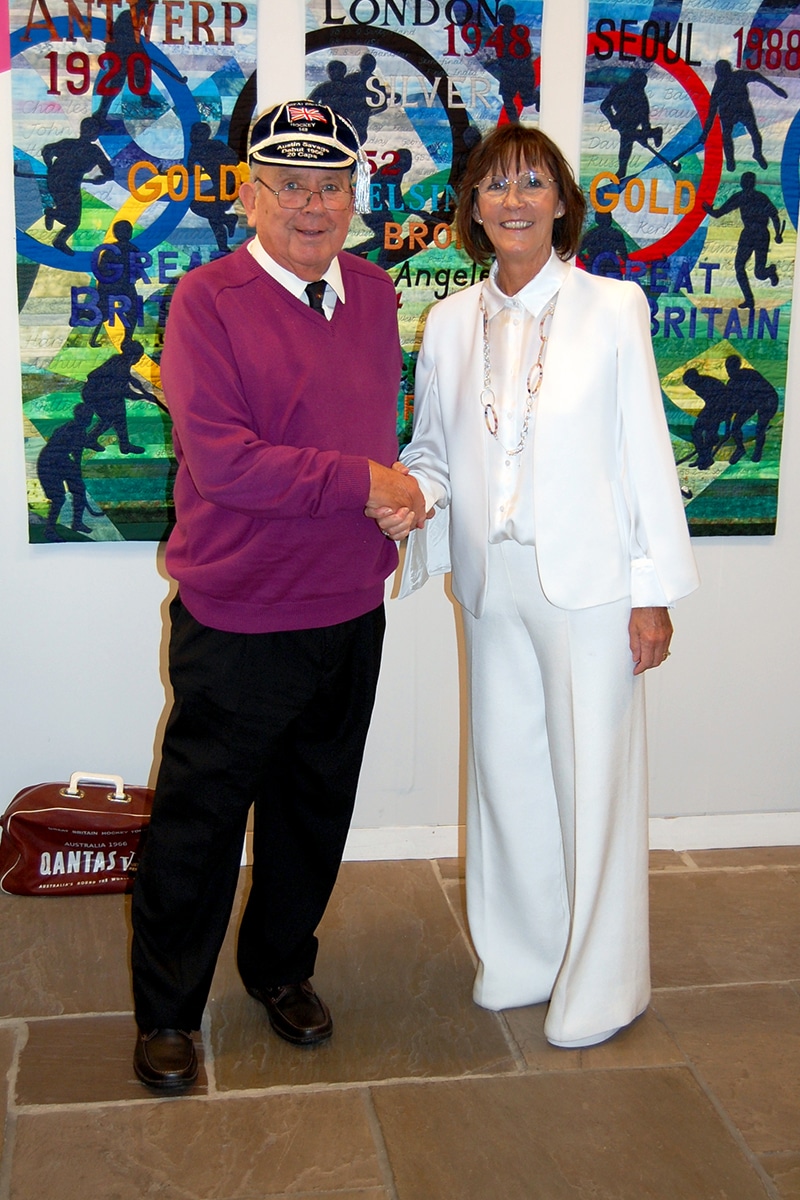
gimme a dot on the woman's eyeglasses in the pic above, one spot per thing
(529, 185)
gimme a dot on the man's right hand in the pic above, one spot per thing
(392, 490)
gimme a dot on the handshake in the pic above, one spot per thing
(395, 501)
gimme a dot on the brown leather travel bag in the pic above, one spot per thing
(59, 839)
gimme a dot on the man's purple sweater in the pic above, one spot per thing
(276, 411)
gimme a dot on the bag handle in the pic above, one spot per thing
(119, 794)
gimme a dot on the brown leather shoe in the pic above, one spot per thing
(296, 1012)
(165, 1059)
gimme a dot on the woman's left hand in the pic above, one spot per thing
(650, 631)
(396, 525)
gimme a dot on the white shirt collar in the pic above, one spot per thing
(536, 292)
(293, 283)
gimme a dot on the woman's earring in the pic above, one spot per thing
(479, 220)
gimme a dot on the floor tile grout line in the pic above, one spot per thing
(735, 1133)
(10, 1128)
(464, 932)
(282, 1090)
(34, 1018)
(20, 1042)
(666, 989)
(209, 1062)
(750, 869)
(653, 1011)
(6, 1158)
(517, 1053)
(749, 1155)
(379, 1141)
(266, 1092)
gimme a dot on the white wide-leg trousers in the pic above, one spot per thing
(557, 834)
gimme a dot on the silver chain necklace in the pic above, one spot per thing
(532, 384)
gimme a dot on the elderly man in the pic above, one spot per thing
(281, 367)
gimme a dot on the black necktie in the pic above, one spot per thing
(315, 292)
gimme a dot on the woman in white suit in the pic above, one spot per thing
(539, 431)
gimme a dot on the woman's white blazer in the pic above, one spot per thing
(608, 514)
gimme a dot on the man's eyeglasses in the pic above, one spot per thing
(291, 195)
(529, 185)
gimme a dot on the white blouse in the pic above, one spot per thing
(514, 333)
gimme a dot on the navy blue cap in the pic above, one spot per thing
(302, 133)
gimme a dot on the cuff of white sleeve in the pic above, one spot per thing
(431, 495)
(646, 589)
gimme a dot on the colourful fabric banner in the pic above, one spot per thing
(5, 48)
(130, 125)
(690, 162)
(421, 80)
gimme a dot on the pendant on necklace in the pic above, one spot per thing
(489, 411)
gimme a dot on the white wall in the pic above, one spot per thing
(82, 628)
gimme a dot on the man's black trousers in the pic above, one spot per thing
(277, 721)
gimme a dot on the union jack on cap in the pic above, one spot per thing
(305, 112)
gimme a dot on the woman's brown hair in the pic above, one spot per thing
(507, 151)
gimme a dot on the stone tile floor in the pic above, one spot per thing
(420, 1095)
